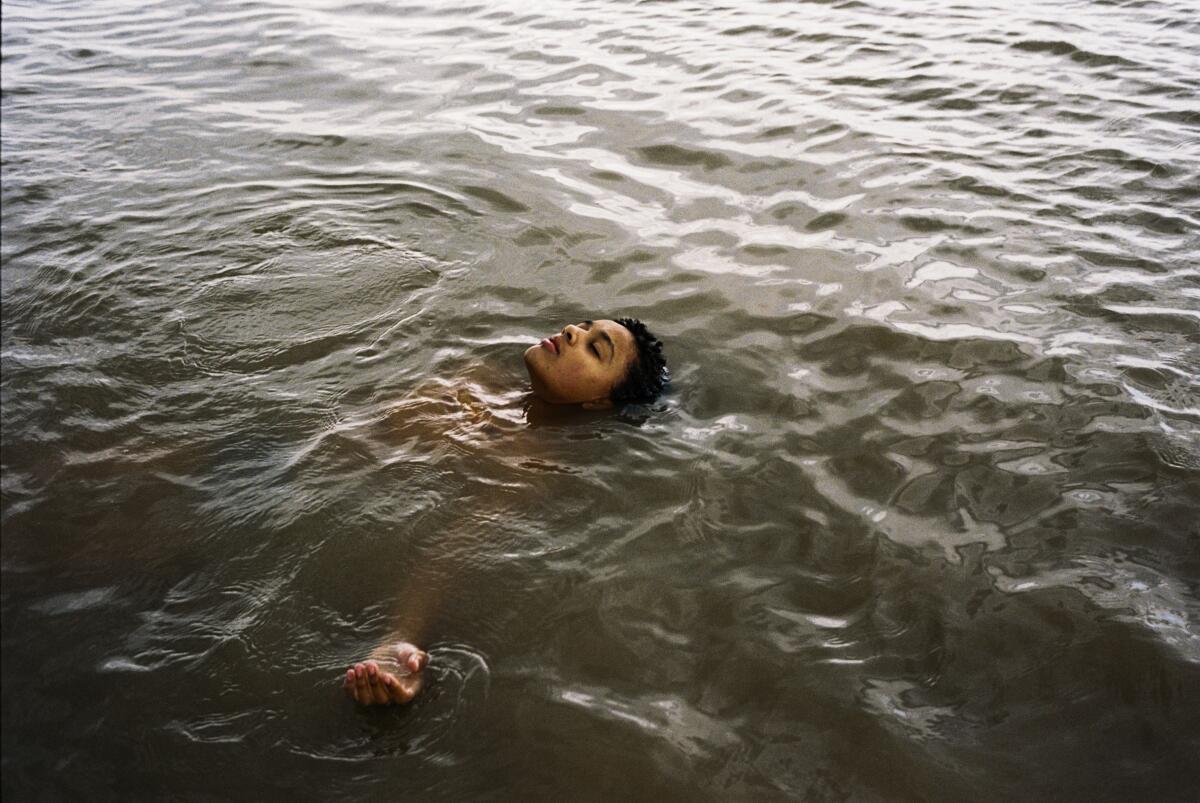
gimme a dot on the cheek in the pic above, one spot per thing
(578, 382)
(568, 376)
(595, 380)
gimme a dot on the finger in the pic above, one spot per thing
(362, 686)
(402, 651)
(417, 661)
(379, 694)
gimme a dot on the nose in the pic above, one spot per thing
(571, 332)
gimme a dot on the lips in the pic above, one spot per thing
(550, 345)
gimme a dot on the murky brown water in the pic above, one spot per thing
(917, 520)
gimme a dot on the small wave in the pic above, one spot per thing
(679, 156)
(1061, 48)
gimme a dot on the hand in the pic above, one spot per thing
(397, 681)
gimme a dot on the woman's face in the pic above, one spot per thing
(582, 363)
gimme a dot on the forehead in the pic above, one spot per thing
(620, 335)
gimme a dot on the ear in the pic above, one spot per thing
(598, 404)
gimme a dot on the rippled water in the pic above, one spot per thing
(917, 520)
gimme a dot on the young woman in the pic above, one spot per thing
(595, 364)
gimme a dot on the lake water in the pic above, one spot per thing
(919, 518)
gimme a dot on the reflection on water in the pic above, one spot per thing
(917, 519)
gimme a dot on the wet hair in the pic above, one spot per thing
(648, 374)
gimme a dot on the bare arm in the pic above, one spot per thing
(393, 672)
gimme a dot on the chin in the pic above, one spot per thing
(531, 360)
(532, 367)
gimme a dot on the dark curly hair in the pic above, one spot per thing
(648, 374)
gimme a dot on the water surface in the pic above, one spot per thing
(916, 521)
